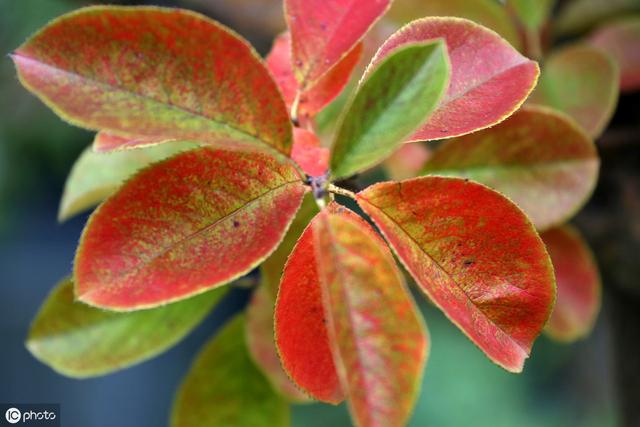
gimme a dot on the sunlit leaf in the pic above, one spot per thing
(342, 272)
(580, 15)
(262, 347)
(476, 256)
(396, 97)
(190, 223)
(225, 388)
(578, 282)
(155, 72)
(81, 341)
(308, 153)
(583, 82)
(312, 100)
(324, 31)
(481, 93)
(95, 176)
(407, 162)
(621, 39)
(539, 158)
(488, 13)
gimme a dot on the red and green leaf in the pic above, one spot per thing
(225, 388)
(365, 324)
(262, 347)
(155, 72)
(81, 341)
(95, 176)
(308, 152)
(390, 103)
(583, 82)
(578, 282)
(539, 158)
(488, 13)
(324, 31)
(315, 98)
(476, 256)
(621, 40)
(481, 93)
(185, 225)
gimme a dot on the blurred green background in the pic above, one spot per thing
(562, 385)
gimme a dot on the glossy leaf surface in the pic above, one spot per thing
(95, 176)
(185, 225)
(621, 39)
(322, 92)
(538, 158)
(488, 13)
(81, 341)
(155, 72)
(324, 31)
(389, 105)
(225, 388)
(376, 337)
(578, 282)
(481, 93)
(308, 152)
(476, 256)
(262, 346)
(581, 81)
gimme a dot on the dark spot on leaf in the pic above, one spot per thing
(323, 26)
(468, 262)
(236, 224)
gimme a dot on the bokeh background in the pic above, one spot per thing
(594, 382)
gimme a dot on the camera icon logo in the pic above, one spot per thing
(13, 415)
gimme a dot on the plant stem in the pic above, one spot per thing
(294, 110)
(341, 191)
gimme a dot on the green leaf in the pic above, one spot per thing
(95, 176)
(580, 15)
(224, 387)
(582, 81)
(389, 105)
(81, 341)
(533, 13)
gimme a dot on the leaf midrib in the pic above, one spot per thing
(446, 273)
(113, 88)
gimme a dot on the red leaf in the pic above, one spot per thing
(475, 254)
(319, 95)
(578, 282)
(155, 72)
(374, 333)
(324, 31)
(481, 92)
(193, 222)
(307, 152)
(300, 325)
